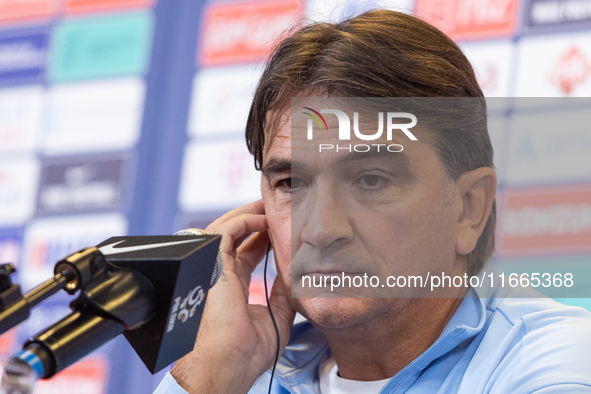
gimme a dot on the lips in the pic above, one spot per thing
(332, 263)
(332, 273)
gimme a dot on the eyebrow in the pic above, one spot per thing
(280, 166)
(399, 159)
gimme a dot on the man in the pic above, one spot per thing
(430, 207)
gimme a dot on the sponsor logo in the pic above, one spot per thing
(49, 240)
(571, 70)
(335, 11)
(488, 77)
(10, 246)
(564, 73)
(188, 307)
(344, 131)
(113, 249)
(9, 251)
(558, 12)
(230, 175)
(20, 115)
(470, 19)
(221, 98)
(109, 112)
(81, 184)
(18, 9)
(245, 31)
(79, 6)
(101, 47)
(18, 185)
(537, 156)
(545, 220)
(23, 57)
(492, 64)
(18, 55)
(8, 343)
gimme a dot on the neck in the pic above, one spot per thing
(381, 348)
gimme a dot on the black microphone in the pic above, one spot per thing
(153, 290)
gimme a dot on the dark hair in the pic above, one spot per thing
(381, 54)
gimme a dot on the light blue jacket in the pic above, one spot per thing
(490, 345)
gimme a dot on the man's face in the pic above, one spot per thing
(386, 213)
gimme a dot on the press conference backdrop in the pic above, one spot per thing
(126, 117)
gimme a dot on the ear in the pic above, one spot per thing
(475, 194)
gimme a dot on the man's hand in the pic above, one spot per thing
(236, 342)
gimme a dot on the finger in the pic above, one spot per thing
(240, 240)
(250, 254)
(238, 227)
(255, 207)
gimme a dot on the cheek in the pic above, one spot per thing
(430, 236)
(279, 221)
(410, 238)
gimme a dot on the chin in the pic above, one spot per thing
(333, 313)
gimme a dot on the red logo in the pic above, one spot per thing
(244, 32)
(470, 19)
(11, 10)
(488, 77)
(8, 343)
(545, 220)
(571, 70)
(79, 6)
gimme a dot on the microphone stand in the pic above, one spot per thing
(112, 300)
(71, 274)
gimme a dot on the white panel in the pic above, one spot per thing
(497, 130)
(554, 66)
(10, 251)
(492, 62)
(94, 116)
(550, 147)
(338, 10)
(218, 175)
(405, 6)
(18, 190)
(20, 113)
(221, 99)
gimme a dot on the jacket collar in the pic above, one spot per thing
(298, 366)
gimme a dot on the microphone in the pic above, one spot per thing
(152, 290)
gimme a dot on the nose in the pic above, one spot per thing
(327, 221)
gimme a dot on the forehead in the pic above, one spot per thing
(289, 140)
(277, 132)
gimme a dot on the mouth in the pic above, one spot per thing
(332, 273)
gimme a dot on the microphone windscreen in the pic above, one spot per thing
(217, 271)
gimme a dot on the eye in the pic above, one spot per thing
(371, 182)
(290, 184)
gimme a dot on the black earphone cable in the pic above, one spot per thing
(272, 318)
